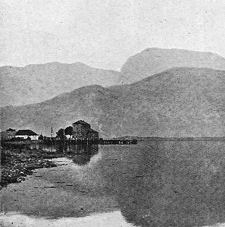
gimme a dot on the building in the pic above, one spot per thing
(8, 134)
(26, 134)
(83, 131)
(80, 130)
(69, 137)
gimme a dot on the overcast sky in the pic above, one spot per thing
(104, 33)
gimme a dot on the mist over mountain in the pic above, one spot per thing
(36, 83)
(156, 60)
(178, 102)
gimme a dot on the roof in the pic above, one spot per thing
(92, 130)
(81, 122)
(25, 132)
(10, 130)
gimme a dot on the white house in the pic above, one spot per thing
(26, 134)
(69, 137)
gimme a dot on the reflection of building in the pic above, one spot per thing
(25, 134)
(83, 131)
(81, 154)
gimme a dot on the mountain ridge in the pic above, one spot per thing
(151, 61)
(35, 83)
(179, 102)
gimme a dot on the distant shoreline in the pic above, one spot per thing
(175, 138)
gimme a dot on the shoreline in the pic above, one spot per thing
(109, 218)
(46, 188)
(17, 163)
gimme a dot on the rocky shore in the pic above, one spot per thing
(16, 163)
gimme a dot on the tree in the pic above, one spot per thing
(69, 131)
(61, 134)
(40, 137)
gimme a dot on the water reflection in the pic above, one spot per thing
(80, 154)
(44, 147)
(157, 183)
(171, 184)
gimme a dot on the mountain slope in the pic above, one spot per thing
(178, 102)
(36, 83)
(156, 60)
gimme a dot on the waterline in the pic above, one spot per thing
(111, 219)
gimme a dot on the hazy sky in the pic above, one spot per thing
(104, 33)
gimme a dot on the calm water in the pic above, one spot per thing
(156, 183)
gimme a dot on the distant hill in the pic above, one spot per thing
(36, 83)
(156, 60)
(180, 102)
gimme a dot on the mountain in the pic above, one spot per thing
(36, 83)
(156, 60)
(179, 102)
